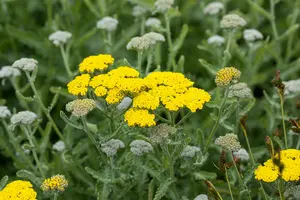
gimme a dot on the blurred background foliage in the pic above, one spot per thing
(26, 24)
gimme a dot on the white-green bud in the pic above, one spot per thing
(138, 11)
(23, 117)
(231, 21)
(240, 90)
(251, 35)
(228, 142)
(111, 147)
(9, 72)
(4, 112)
(291, 86)
(241, 154)
(138, 44)
(81, 107)
(201, 197)
(108, 23)
(190, 151)
(60, 37)
(163, 5)
(26, 64)
(216, 40)
(140, 147)
(153, 22)
(154, 37)
(59, 146)
(213, 8)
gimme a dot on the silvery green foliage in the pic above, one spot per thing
(189, 151)
(9, 72)
(161, 132)
(232, 21)
(163, 5)
(213, 8)
(292, 192)
(241, 154)
(26, 64)
(140, 147)
(144, 42)
(154, 37)
(107, 23)
(125, 103)
(201, 197)
(111, 147)
(240, 90)
(216, 40)
(138, 11)
(153, 22)
(60, 37)
(26, 151)
(228, 142)
(4, 112)
(291, 86)
(23, 117)
(59, 146)
(251, 35)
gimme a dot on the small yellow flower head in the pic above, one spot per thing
(269, 172)
(81, 107)
(100, 91)
(114, 96)
(57, 183)
(146, 100)
(124, 72)
(99, 62)
(227, 75)
(79, 86)
(18, 190)
(139, 117)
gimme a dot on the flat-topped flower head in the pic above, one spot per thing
(140, 147)
(138, 11)
(138, 44)
(189, 151)
(57, 183)
(26, 64)
(251, 35)
(79, 86)
(145, 100)
(139, 117)
(291, 86)
(163, 5)
(99, 62)
(161, 132)
(23, 118)
(213, 8)
(228, 142)
(153, 22)
(111, 147)
(81, 107)
(240, 90)
(231, 21)
(216, 40)
(4, 112)
(9, 72)
(226, 76)
(18, 190)
(107, 23)
(154, 37)
(201, 197)
(241, 154)
(59, 146)
(60, 37)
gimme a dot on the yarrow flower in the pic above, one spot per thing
(111, 147)
(227, 75)
(99, 62)
(201, 197)
(154, 37)
(81, 107)
(291, 86)
(139, 117)
(9, 72)
(213, 8)
(189, 151)
(153, 22)
(59, 146)
(251, 35)
(60, 37)
(240, 90)
(163, 5)
(4, 112)
(108, 23)
(57, 183)
(140, 147)
(26, 64)
(232, 21)
(216, 40)
(144, 42)
(161, 132)
(241, 154)
(138, 11)
(290, 160)
(228, 142)
(79, 86)
(23, 118)
(18, 190)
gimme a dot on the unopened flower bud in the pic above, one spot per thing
(232, 21)
(140, 147)
(26, 64)
(107, 23)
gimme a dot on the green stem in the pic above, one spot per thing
(237, 117)
(149, 60)
(109, 42)
(291, 38)
(49, 13)
(280, 189)
(55, 196)
(171, 61)
(66, 61)
(212, 133)
(282, 116)
(139, 61)
(184, 118)
(143, 21)
(44, 109)
(227, 179)
(248, 144)
(262, 191)
(227, 50)
(29, 136)
(162, 119)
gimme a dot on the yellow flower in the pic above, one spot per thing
(114, 96)
(100, 91)
(18, 190)
(195, 98)
(146, 100)
(290, 159)
(57, 183)
(139, 117)
(131, 85)
(226, 75)
(79, 86)
(92, 63)
(124, 71)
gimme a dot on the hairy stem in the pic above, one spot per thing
(65, 57)
(282, 116)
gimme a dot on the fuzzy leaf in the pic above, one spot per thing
(180, 64)
(54, 100)
(204, 175)
(30, 176)
(163, 188)
(46, 137)
(208, 67)
(70, 122)
(178, 43)
(3, 182)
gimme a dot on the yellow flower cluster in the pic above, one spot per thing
(92, 63)
(79, 86)
(139, 117)
(18, 190)
(57, 183)
(290, 159)
(226, 75)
